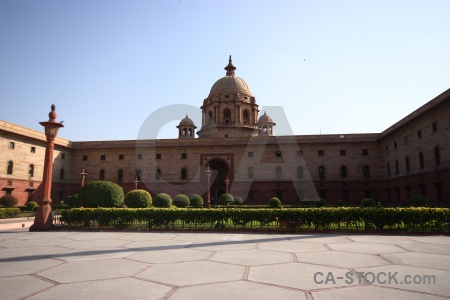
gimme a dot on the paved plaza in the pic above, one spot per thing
(195, 265)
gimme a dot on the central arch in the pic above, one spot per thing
(219, 173)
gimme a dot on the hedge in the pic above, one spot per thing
(325, 218)
(6, 213)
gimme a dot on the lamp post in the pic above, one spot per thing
(83, 175)
(227, 183)
(208, 177)
(44, 219)
(136, 182)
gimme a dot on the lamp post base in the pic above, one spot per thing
(43, 220)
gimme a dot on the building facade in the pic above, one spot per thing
(410, 157)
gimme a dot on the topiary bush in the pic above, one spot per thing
(418, 200)
(181, 201)
(138, 199)
(274, 202)
(367, 202)
(238, 200)
(195, 200)
(8, 201)
(101, 194)
(320, 202)
(32, 206)
(226, 199)
(71, 200)
(162, 200)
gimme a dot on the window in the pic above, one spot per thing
(278, 153)
(395, 145)
(226, 116)
(439, 192)
(419, 133)
(366, 171)
(396, 167)
(85, 157)
(158, 174)
(434, 125)
(63, 156)
(343, 172)
(250, 154)
(120, 175)
(322, 172)
(183, 155)
(138, 174)
(320, 152)
(299, 172)
(102, 157)
(12, 145)
(9, 183)
(33, 150)
(10, 167)
(299, 153)
(365, 151)
(250, 173)
(139, 156)
(405, 140)
(61, 174)
(345, 195)
(278, 172)
(158, 155)
(407, 164)
(389, 169)
(437, 156)
(342, 152)
(227, 96)
(422, 189)
(183, 174)
(421, 161)
(246, 117)
(120, 156)
(31, 170)
(102, 174)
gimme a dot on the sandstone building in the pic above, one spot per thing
(410, 157)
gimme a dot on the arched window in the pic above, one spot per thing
(184, 131)
(158, 174)
(120, 175)
(226, 116)
(31, 170)
(102, 175)
(210, 114)
(343, 172)
(61, 174)
(10, 167)
(322, 172)
(299, 172)
(246, 117)
(190, 132)
(278, 172)
(250, 173)
(138, 174)
(421, 161)
(366, 171)
(183, 174)
(265, 129)
(270, 129)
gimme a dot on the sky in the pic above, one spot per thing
(334, 67)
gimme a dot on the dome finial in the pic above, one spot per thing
(230, 68)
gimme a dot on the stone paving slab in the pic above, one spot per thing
(187, 265)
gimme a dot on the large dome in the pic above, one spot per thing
(230, 84)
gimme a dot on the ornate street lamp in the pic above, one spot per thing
(44, 219)
(227, 183)
(208, 197)
(83, 175)
(136, 182)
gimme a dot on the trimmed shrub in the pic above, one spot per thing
(238, 200)
(71, 200)
(195, 200)
(32, 206)
(320, 202)
(340, 203)
(138, 199)
(6, 213)
(367, 202)
(101, 194)
(225, 199)
(162, 200)
(8, 201)
(181, 201)
(274, 202)
(418, 200)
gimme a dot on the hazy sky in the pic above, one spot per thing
(334, 66)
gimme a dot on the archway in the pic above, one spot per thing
(219, 173)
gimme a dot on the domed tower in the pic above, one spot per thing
(230, 110)
(186, 128)
(265, 125)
